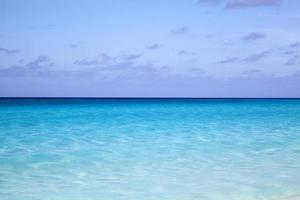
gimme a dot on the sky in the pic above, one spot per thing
(134, 48)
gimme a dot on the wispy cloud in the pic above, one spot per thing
(38, 66)
(209, 2)
(118, 66)
(249, 59)
(253, 36)
(9, 51)
(75, 45)
(210, 36)
(187, 53)
(180, 31)
(256, 57)
(293, 60)
(101, 59)
(104, 59)
(291, 52)
(132, 56)
(143, 72)
(294, 45)
(251, 72)
(154, 46)
(228, 43)
(107, 67)
(229, 60)
(39, 62)
(237, 4)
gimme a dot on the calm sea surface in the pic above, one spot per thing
(89, 149)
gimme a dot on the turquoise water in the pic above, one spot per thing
(149, 149)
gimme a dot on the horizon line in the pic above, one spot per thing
(149, 97)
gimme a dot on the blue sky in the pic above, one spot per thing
(192, 48)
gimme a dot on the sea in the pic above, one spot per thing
(149, 149)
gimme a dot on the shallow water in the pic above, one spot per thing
(81, 149)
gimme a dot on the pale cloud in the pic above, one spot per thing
(237, 4)
(249, 59)
(294, 45)
(132, 56)
(209, 2)
(293, 60)
(154, 46)
(229, 60)
(9, 51)
(253, 36)
(99, 60)
(256, 57)
(180, 31)
(187, 53)
(75, 45)
(39, 62)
